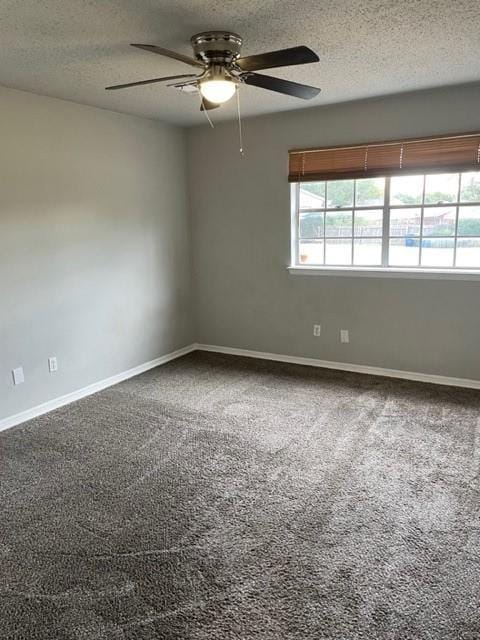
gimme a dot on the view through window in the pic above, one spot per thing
(427, 221)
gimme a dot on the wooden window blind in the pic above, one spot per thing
(442, 154)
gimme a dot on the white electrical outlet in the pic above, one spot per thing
(344, 337)
(317, 328)
(52, 364)
(18, 376)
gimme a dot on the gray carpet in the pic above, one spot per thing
(222, 498)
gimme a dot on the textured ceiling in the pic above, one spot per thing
(72, 49)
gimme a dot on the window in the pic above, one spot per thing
(359, 207)
(420, 221)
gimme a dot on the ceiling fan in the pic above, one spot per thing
(222, 70)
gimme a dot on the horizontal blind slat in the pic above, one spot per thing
(390, 158)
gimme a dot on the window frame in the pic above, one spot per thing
(384, 269)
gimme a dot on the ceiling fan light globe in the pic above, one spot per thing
(217, 91)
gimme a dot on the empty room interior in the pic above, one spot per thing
(239, 320)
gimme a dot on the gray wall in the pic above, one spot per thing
(244, 295)
(94, 245)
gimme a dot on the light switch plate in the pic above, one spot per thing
(18, 376)
(52, 364)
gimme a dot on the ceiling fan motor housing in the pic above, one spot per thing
(217, 47)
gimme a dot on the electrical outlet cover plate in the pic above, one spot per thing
(344, 337)
(317, 328)
(18, 376)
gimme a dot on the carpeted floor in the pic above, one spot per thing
(223, 498)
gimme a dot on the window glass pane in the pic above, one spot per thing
(340, 193)
(370, 192)
(338, 251)
(468, 252)
(470, 191)
(469, 221)
(441, 187)
(367, 251)
(311, 224)
(405, 222)
(368, 222)
(312, 195)
(338, 224)
(325, 237)
(406, 190)
(404, 252)
(310, 252)
(437, 252)
(439, 221)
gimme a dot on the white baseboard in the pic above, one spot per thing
(11, 421)
(345, 366)
(40, 409)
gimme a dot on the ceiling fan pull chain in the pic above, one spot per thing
(205, 110)
(240, 132)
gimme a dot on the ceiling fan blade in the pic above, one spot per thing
(287, 87)
(281, 58)
(153, 80)
(207, 105)
(184, 84)
(169, 54)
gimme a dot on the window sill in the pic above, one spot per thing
(380, 272)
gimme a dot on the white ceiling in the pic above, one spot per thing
(72, 49)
